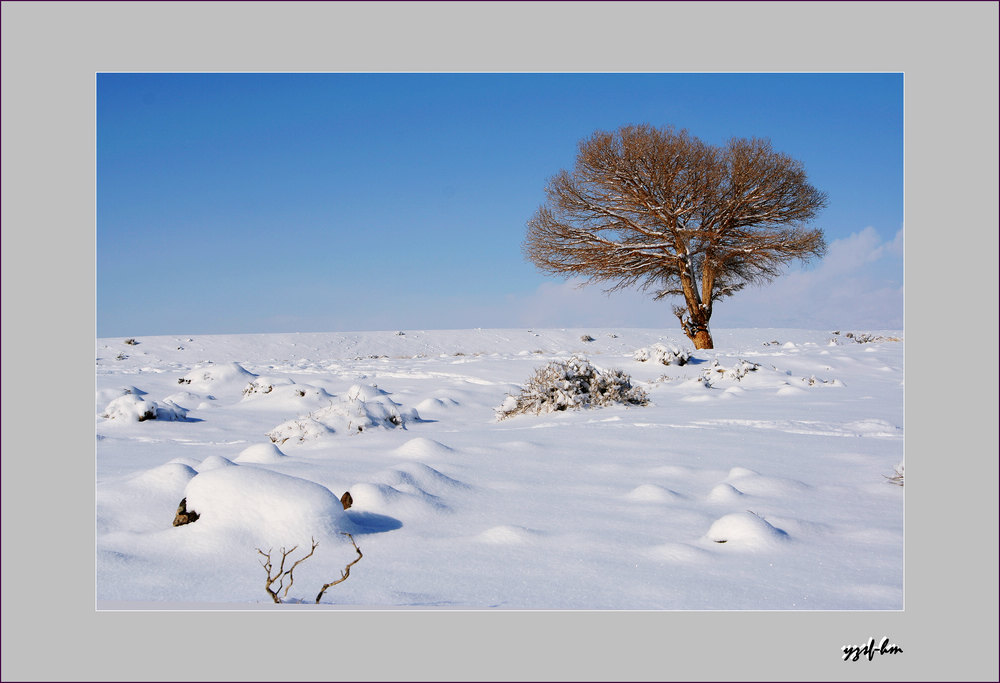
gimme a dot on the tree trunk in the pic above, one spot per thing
(695, 327)
(694, 317)
(698, 334)
(694, 322)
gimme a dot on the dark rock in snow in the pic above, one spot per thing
(184, 516)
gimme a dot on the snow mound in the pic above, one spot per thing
(373, 497)
(663, 354)
(183, 398)
(172, 476)
(430, 405)
(214, 462)
(724, 493)
(746, 531)
(382, 498)
(420, 475)
(410, 486)
(697, 398)
(193, 463)
(362, 407)
(652, 493)
(756, 484)
(143, 502)
(211, 375)
(264, 506)
(367, 392)
(506, 534)
(422, 447)
(133, 408)
(261, 453)
(790, 391)
(107, 395)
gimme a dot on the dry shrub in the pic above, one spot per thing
(572, 384)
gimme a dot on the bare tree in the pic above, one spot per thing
(660, 209)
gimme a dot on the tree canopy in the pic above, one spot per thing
(659, 209)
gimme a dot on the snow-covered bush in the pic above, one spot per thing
(812, 380)
(897, 476)
(133, 407)
(362, 407)
(168, 410)
(206, 377)
(586, 338)
(572, 384)
(282, 387)
(661, 353)
(130, 407)
(261, 385)
(735, 373)
(740, 370)
(298, 430)
(866, 338)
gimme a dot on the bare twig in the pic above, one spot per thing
(896, 478)
(279, 577)
(345, 573)
(291, 579)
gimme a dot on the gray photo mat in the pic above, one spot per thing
(52, 627)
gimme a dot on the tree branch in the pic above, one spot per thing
(345, 573)
(280, 575)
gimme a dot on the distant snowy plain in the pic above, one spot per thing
(766, 491)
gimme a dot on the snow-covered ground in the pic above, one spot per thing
(757, 476)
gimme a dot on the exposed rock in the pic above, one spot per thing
(185, 516)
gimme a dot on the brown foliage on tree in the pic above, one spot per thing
(660, 209)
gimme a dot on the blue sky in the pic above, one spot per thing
(230, 203)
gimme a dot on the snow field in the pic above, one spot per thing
(611, 508)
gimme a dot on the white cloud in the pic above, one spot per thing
(858, 284)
